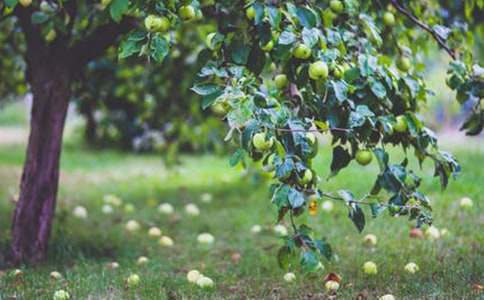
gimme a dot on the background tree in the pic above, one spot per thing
(149, 107)
(334, 74)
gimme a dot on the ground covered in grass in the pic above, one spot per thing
(241, 263)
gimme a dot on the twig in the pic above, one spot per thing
(440, 40)
(362, 201)
(312, 130)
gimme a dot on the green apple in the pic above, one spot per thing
(250, 13)
(209, 38)
(260, 142)
(388, 19)
(370, 268)
(401, 124)
(154, 23)
(363, 157)
(25, 3)
(336, 6)
(207, 2)
(318, 70)
(45, 7)
(338, 72)
(302, 51)
(307, 177)
(50, 36)
(164, 24)
(268, 47)
(403, 63)
(281, 81)
(187, 12)
(133, 280)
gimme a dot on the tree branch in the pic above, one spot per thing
(96, 43)
(440, 40)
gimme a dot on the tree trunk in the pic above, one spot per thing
(35, 209)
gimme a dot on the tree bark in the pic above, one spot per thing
(31, 225)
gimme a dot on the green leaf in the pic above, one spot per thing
(378, 89)
(357, 215)
(306, 17)
(159, 48)
(39, 17)
(283, 257)
(118, 8)
(324, 248)
(280, 196)
(340, 90)
(287, 38)
(237, 157)
(376, 209)
(208, 100)
(204, 89)
(296, 198)
(309, 261)
(341, 159)
(11, 3)
(129, 47)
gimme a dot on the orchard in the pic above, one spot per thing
(280, 76)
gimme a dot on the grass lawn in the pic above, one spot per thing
(450, 268)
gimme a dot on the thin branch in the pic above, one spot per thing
(362, 201)
(103, 37)
(313, 130)
(440, 40)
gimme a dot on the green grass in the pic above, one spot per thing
(80, 249)
(13, 114)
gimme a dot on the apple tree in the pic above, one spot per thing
(281, 71)
(285, 70)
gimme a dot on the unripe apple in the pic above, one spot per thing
(250, 13)
(133, 280)
(205, 282)
(411, 268)
(268, 47)
(187, 12)
(401, 124)
(61, 295)
(25, 3)
(302, 51)
(336, 6)
(388, 19)
(281, 81)
(154, 23)
(45, 7)
(403, 63)
(207, 2)
(466, 202)
(364, 157)
(289, 277)
(105, 3)
(208, 40)
(338, 72)
(370, 240)
(50, 36)
(193, 276)
(307, 177)
(260, 143)
(318, 70)
(331, 285)
(370, 268)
